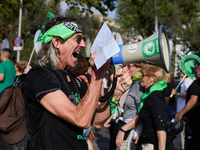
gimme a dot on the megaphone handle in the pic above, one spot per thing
(179, 84)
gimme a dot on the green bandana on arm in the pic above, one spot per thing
(159, 86)
(63, 30)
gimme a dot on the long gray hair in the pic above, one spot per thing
(49, 56)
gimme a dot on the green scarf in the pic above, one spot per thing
(113, 102)
(136, 77)
(159, 86)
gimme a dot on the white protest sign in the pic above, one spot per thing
(105, 45)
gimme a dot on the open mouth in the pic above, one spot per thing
(75, 54)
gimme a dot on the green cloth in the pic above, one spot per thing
(113, 102)
(8, 69)
(136, 77)
(159, 86)
(63, 30)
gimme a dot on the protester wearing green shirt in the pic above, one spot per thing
(7, 70)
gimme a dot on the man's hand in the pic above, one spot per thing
(174, 92)
(120, 138)
(136, 138)
(178, 116)
(125, 79)
(100, 73)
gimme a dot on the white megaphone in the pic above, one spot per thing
(154, 50)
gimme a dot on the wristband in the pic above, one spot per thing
(122, 130)
(114, 101)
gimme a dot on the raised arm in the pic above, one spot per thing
(103, 113)
(81, 114)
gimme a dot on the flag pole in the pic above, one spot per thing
(31, 56)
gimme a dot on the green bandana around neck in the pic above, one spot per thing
(136, 77)
(63, 30)
(159, 86)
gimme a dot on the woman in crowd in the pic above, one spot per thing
(152, 111)
(20, 66)
(132, 102)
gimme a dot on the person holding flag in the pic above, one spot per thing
(191, 113)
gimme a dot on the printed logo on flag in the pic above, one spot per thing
(150, 48)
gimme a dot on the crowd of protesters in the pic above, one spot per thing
(73, 105)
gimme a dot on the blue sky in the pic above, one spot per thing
(111, 14)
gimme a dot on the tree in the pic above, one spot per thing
(102, 5)
(136, 17)
(33, 16)
(33, 19)
(139, 14)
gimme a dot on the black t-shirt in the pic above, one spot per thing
(167, 92)
(192, 127)
(194, 89)
(153, 116)
(63, 135)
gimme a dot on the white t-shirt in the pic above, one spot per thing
(184, 86)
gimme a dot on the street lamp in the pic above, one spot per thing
(155, 14)
(19, 28)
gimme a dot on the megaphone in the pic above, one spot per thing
(154, 50)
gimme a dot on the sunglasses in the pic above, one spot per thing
(78, 38)
(144, 75)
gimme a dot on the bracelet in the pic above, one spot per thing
(122, 130)
(178, 94)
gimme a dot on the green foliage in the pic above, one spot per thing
(33, 17)
(139, 14)
(180, 17)
(102, 5)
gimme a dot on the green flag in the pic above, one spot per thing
(48, 17)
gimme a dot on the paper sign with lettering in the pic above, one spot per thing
(105, 45)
